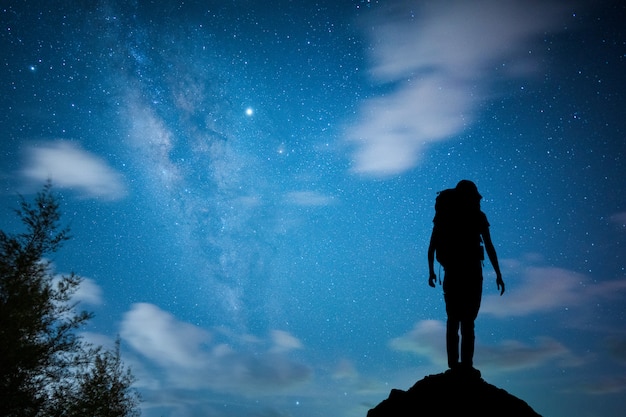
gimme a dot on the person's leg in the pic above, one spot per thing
(452, 342)
(467, 343)
(452, 325)
(471, 306)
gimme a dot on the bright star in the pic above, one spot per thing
(249, 111)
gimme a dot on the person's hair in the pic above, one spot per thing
(468, 189)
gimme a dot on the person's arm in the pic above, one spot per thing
(493, 258)
(432, 277)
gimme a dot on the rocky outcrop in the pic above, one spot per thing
(452, 393)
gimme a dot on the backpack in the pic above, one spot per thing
(457, 228)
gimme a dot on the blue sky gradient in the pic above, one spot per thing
(250, 188)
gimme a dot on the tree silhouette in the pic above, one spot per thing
(103, 390)
(43, 362)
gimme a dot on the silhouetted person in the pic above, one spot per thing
(459, 229)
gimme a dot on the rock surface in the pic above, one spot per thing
(452, 394)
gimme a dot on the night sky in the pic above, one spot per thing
(250, 187)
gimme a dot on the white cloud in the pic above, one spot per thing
(394, 129)
(513, 355)
(284, 341)
(441, 57)
(163, 339)
(98, 339)
(345, 369)
(544, 289)
(428, 339)
(88, 292)
(69, 166)
(192, 360)
(607, 385)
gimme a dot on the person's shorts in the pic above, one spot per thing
(462, 289)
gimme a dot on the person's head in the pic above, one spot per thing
(469, 190)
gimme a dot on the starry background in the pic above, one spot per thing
(250, 188)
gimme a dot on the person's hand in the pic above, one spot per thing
(500, 284)
(432, 279)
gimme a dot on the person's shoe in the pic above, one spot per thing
(469, 371)
(454, 368)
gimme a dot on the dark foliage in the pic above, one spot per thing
(103, 390)
(42, 360)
